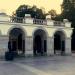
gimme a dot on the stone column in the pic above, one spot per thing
(29, 46)
(68, 46)
(3, 44)
(50, 46)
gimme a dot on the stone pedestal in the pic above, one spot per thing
(28, 46)
(68, 46)
(50, 46)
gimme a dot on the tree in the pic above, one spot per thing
(52, 13)
(20, 12)
(68, 12)
(34, 11)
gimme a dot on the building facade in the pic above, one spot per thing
(34, 36)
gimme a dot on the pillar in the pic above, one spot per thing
(50, 46)
(68, 46)
(3, 44)
(29, 46)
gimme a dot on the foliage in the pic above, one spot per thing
(34, 11)
(53, 13)
(68, 12)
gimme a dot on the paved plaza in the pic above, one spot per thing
(52, 65)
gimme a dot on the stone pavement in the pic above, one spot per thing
(53, 65)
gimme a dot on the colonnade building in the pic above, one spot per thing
(35, 36)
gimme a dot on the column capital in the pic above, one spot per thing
(68, 38)
(29, 37)
(51, 37)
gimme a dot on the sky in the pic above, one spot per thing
(10, 6)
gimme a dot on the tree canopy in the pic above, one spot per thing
(34, 11)
(53, 13)
(68, 12)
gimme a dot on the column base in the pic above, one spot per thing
(29, 53)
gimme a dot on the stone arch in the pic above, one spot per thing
(39, 42)
(20, 27)
(60, 31)
(59, 42)
(41, 28)
(17, 38)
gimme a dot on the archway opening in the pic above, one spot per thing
(17, 41)
(59, 43)
(73, 42)
(40, 42)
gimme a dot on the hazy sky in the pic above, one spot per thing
(9, 6)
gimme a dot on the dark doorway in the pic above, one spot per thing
(45, 46)
(39, 43)
(17, 41)
(20, 42)
(59, 43)
(73, 42)
(14, 45)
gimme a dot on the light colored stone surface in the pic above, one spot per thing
(54, 65)
(3, 45)
(50, 47)
(29, 46)
(68, 46)
(29, 29)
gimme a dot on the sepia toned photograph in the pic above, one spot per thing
(37, 37)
